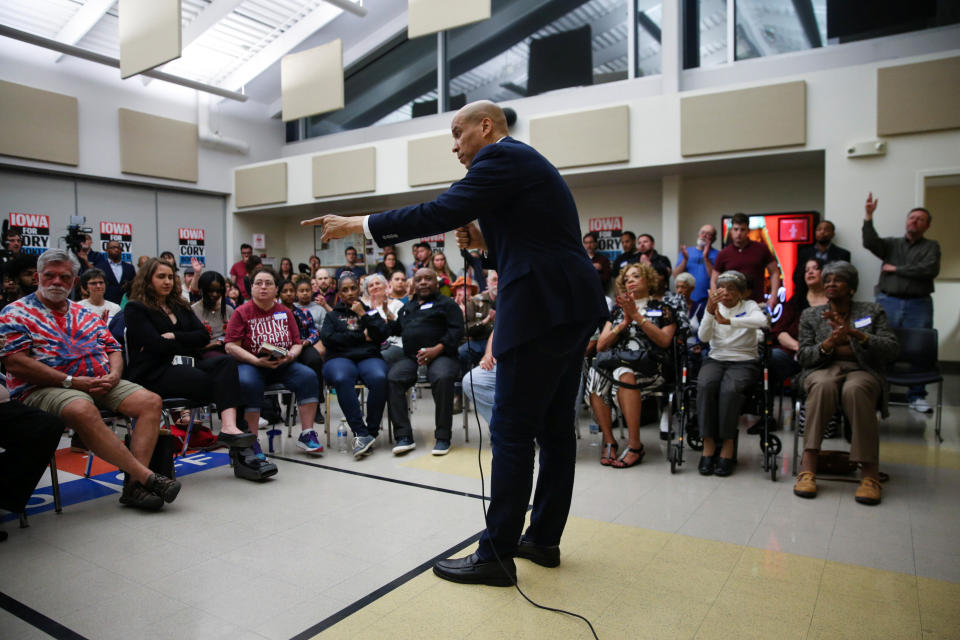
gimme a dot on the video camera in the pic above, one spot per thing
(76, 232)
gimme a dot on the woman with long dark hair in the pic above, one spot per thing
(286, 270)
(212, 310)
(160, 325)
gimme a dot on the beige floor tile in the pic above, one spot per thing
(721, 556)
(737, 614)
(868, 584)
(843, 616)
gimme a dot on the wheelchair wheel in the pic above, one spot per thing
(672, 457)
(695, 441)
(773, 470)
(776, 445)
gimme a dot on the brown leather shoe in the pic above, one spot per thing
(868, 492)
(806, 486)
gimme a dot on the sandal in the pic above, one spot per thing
(620, 464)
(609, 453)
(183, 420)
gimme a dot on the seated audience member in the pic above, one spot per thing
(93, 285)
(421, 259)
(731, 325)
(644, 326)
(354, 265)
(314, 263)
(374, 295)
(306, 302)
(286, 272)
(311, 353)
(9, 291)
(783, 363)
(822, 249)
(118, 273)
(352, 333)
(257, 332)
(479, 310)
(60, 358)
(169, 258)
(28, 439)
(253, 265)
(480, 383)
(445, 275)
(686, 285)
(845, 346)
(388, 266)
(398, 287)
(23, 272)
(431, 326)
(161, 325)
(600, 262)
(326, 295)
(233, 298)
(212, 311)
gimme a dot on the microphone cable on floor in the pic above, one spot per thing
(483, 494)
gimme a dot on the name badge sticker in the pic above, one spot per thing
(654, 313)
(428, 305)
(280, 315)
(371, 312)
(860, 323)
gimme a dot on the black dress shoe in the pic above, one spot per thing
(473, 570)
(707, 465)
(724, 467)
(539, 554)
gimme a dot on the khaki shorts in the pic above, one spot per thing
(53, 399)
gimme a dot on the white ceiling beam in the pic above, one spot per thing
(351, 6)
(280, 47)
(82, 22)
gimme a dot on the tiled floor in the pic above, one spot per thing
(341, 548)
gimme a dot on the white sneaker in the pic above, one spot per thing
(263, 423)
(920, 406)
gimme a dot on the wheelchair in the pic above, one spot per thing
(687, 428)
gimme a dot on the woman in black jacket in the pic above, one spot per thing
(161, 325)
(352, 334)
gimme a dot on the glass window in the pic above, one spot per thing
(383, 87)
(531, 47)
(649, 15)
(712, 32)
(771, 27)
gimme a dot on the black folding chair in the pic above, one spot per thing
(918, 363)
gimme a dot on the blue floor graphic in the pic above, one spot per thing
(79, 490)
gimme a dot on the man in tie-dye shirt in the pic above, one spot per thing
(60, 358)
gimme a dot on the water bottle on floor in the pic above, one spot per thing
(594, 435)
(342, 437)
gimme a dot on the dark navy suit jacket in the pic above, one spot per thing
(530, 224)
(114, 290)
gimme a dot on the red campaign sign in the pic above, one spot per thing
(190, 234)
(606, 224)
(29, 220)
(116, 229)
(34, 230)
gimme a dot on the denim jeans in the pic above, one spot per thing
(482, 391)
(342, 374)
(470, 353)
(908, 313)
(299, 378)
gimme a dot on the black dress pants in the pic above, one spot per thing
(209, 380)
(29, 438)
(442, 373)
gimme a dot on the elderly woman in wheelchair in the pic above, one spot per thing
(732, 325)
(844, 348)
(633, 359)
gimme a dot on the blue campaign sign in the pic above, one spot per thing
(83, 489)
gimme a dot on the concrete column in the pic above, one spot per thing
(671, 46)
(669, 243)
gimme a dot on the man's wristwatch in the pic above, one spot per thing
(67, 382)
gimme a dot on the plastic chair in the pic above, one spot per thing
(917, 364)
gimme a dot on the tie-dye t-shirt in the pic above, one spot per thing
(77, 342)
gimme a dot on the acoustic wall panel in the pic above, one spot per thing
(430, 160)
(598, 136)
(39, 125)
(311, 81)
(757, 118)
(149, 34)
(430, 16)
(158, 147)
(918, 97)
(345, 172)
(266, 184)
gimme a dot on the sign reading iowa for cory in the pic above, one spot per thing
(34, 230)
(121, 232)
(608, 232)
(191, 245)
